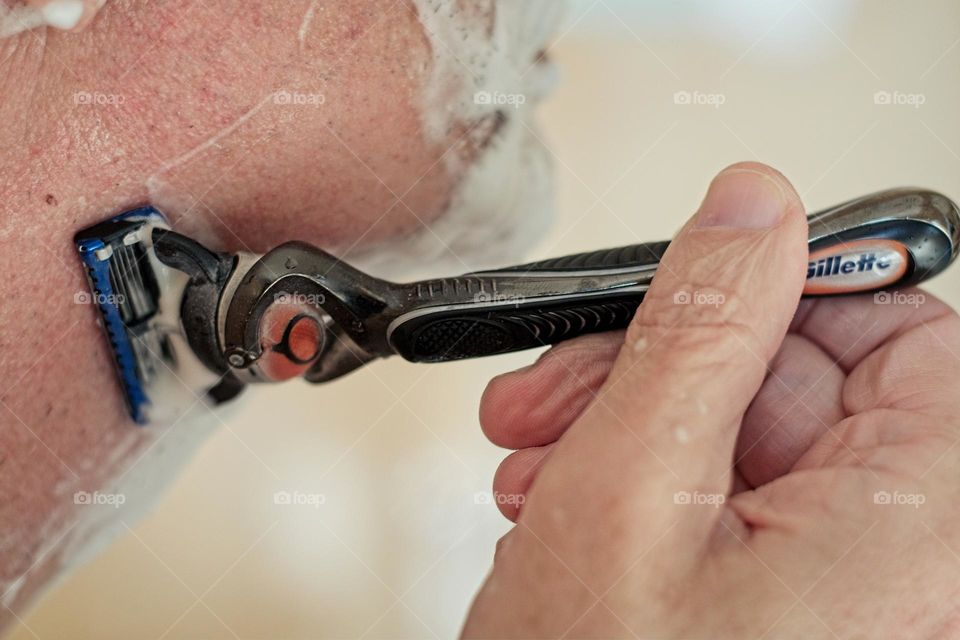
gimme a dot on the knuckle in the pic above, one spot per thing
(691, 315)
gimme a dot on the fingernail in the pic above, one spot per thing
(743, 199)
(63, 14)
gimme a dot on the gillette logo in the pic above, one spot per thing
(840, 265)
(866, 265)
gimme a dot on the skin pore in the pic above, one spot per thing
(248, 124)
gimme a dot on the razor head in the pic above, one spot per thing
(139, 300)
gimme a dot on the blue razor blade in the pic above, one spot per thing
(120, 274)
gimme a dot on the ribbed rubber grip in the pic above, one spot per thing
(526, 306)
(466, 333)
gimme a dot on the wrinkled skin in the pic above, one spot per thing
(839, 517)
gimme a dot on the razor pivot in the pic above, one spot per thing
(298, 312)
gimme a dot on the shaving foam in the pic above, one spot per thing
(487, 75)
(16, 17)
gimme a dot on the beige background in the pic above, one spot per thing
(400, 543)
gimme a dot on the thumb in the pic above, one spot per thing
(665, 423)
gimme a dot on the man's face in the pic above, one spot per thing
(391, 133)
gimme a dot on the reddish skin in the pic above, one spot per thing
(326, 175)
(799, 549)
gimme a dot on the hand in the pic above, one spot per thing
(731, 465)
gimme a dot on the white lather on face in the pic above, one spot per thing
(62, 14)
(487, 77)
(16, 16)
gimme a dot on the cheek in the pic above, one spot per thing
(299, 126)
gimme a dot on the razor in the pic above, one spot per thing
(187, 324)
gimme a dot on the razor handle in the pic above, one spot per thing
(884, 241)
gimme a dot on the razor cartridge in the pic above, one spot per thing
(177, 312)
(139, 301)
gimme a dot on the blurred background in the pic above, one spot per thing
(391, 530)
